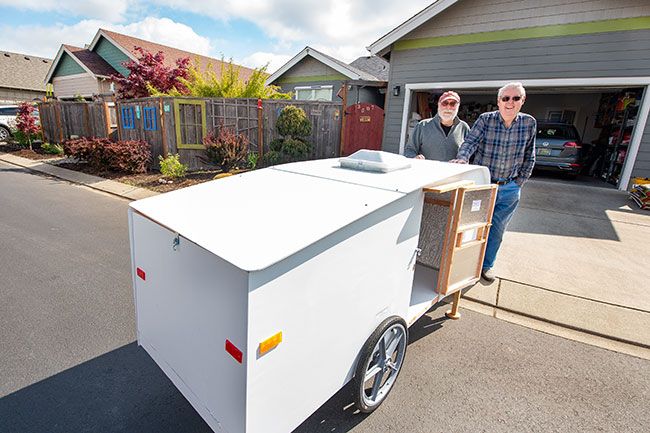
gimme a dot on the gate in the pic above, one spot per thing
(364, 126)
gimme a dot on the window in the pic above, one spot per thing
(150, 118)
(128, 118)
(112, 114)
(8, 111)
(314, 93)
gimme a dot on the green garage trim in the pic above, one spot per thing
(617, 25)
(312, 79)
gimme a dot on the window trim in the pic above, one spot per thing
(128, 118)
(313, 88)
(149, 118)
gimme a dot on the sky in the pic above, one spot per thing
(250, 32)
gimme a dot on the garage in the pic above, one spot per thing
(584, 132)
(585, 65)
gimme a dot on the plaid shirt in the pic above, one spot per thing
(509, 153)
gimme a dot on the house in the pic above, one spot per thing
(585, 63)
(22, 77)
(312, 75)
(86, 72)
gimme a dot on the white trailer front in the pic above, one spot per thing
(256, 293)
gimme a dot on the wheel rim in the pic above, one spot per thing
(3, 134)
(384, 365)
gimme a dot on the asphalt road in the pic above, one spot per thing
(68, 361)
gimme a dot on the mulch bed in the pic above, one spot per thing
(149, 181)
(36, 154)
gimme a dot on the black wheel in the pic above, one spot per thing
(4, 134)
(380, 363)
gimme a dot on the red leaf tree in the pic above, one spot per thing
(26, 122)
(150, 69)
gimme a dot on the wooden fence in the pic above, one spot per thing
(64, 120)
(178, 125)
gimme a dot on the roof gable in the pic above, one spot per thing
(127, 44)
(382, 45)
(343, 68)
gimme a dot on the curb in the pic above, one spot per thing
(112, 187)
(609, 326)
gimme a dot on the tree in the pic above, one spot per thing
(148, 73)
(26, 122)
(228, 84)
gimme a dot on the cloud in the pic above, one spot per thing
(108, 11)
(341, 29)
(259, 59)
(45, 40)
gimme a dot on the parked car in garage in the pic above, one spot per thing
(558, 148)
(7, 121)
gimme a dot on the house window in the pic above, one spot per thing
(128, 118)
(314, 93)
(150, 118)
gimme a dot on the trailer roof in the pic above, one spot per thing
(256, 219)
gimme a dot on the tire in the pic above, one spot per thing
(375, 374)
(5, 134)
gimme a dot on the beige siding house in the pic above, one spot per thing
(22, 77)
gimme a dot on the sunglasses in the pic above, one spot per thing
(449, 103)
(514, 98)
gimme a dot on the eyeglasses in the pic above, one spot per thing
(449, 103)
(514, 98)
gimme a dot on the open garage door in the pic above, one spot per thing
(585, 133)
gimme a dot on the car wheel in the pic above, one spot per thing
(4, 134)
(380, 363)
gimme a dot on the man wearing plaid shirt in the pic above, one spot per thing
(504, 142)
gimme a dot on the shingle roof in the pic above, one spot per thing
(364, 75)
(129, 43)
(92, 61)
(375, 66)
(23, 71)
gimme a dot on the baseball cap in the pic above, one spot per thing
(450, 94)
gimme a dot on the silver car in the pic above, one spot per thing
(7, 121)
(558, 148)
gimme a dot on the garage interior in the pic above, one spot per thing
(604, 118)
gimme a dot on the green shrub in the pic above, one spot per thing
(52, 149)
(295, 148)
(23, 140)
(293, 122)
(276, 144)
(252, 160)
(172, 167)
(272, 157)
(130, 156)
(225, 148)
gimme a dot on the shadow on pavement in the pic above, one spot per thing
(120, 391)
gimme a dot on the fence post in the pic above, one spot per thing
(118, 118)
(57, 115)
(107, 119)
(163, 131)
(260, 130)
(86, 120)
(40, 120)
(344, 108)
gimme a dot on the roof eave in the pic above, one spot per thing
(383, 45)
(308, 51)
(100, 33)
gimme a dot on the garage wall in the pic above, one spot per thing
(614, 54)
(642, 165)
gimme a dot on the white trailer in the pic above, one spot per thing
(261, 294)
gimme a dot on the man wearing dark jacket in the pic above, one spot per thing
(439, 137)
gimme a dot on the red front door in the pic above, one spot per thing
(364, 126)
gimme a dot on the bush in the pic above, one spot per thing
(294, 126)
(52, 149)
(252, 160)
(130, 156)
(225, 148)
(293, 122)
(26, 122)
(171, 167)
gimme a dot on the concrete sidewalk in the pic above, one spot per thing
(572, 263)
(577, 257)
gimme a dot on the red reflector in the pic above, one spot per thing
(234, 352)
(574, 165)
(572, 144)
(259, 104)
(141, 273)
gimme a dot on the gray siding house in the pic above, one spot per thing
(583, 62)
(312, 75)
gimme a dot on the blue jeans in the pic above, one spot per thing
(507, 200)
